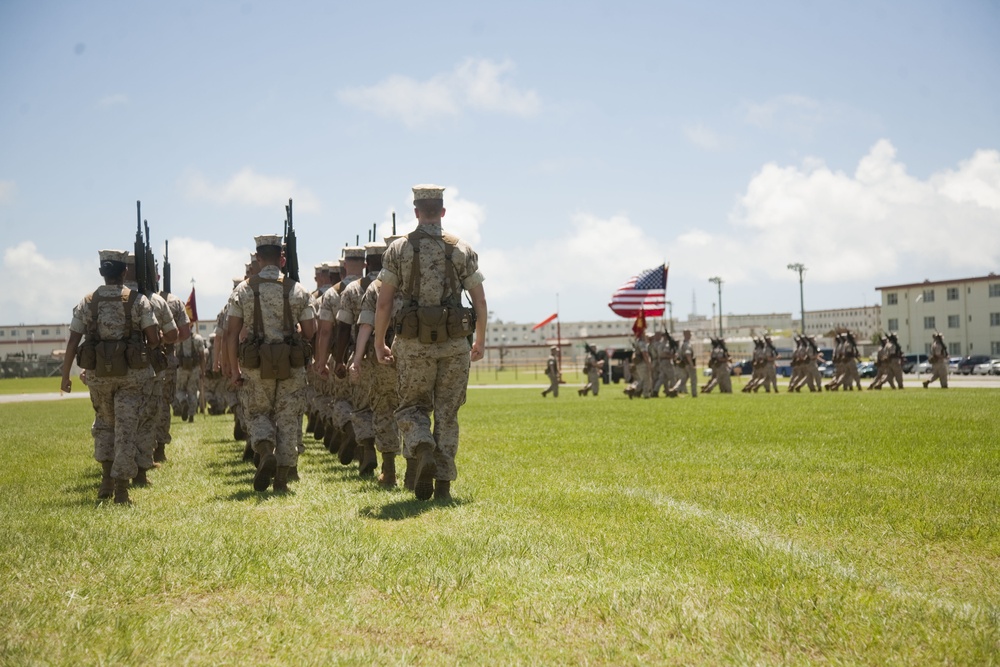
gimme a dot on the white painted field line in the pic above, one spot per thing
(746, 531)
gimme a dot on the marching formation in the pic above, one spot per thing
(377, 357)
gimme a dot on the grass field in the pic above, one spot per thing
(32, 385)
(788, 529)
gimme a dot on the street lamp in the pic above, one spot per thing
(718, 283)
(802, 301)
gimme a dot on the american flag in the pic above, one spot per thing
(645, 292)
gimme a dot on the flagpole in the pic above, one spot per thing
(559, 336)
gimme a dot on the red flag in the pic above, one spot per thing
(639, 328)
(192, 307)
(545, 321)
(644, 291)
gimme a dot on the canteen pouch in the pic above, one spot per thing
(461, 322)
(299, 352)
(250, 354)
(111, 359)
(158, 358)
(86, 355)
(407, 322)
(433, 324)
(275, 361)
(137, 355)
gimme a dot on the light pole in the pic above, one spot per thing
(670, 309)
(718, 283)
(802, 300)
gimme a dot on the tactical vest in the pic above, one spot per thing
(275, 360)
(112, 357)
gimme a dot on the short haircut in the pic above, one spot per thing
(269, 253)
(430, 207)
(112, 269)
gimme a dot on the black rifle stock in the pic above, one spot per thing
(166, 266)
(291, 269)
(152, 281)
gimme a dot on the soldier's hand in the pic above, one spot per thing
(383, 353)
(83, 377)
(321, 369)
(477, 351)
(67, 385)
(340, 370)
(355, 370)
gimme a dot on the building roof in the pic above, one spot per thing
(928, 283)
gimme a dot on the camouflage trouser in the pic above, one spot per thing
(163, 422)
(118, 404)
(152, 401)
(644, 377)
(187, 388)
(274, 411)
(361, 390)
(553, 386)
(684, 375)
(725, 381)
(385, 401)
(433, 378)
(939, 371)
(896, 371)
(851, 377)
(593, 381)
(770, 377)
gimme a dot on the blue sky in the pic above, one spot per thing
(580, 142)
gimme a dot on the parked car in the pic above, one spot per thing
(910, 362)
(826, 369)
(866, 369)
(996, 367)
(953, 363)
(924, 367)
(985, 368)
(744, 367)
(966, 365)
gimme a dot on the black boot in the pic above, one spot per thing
(347, 445)
(423, 485)
(442, 490)
(369, 459)
(107, 488)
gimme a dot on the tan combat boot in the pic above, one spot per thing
(121, 492)
(410, 476)
(442, 490)
(267, 467)
(423, 485)
(369, 459)
(281, 479)
(140, 478)
(107, 487)
(387, 478)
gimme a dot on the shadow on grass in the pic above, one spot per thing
(405, 508)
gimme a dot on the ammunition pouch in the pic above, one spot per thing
(111, 359)
(461, 322)
(275, 361)
(250, 354)
(86, 355)
(137, 355)
(158, 358)
(299, 352)
(187, 363)
(407, 323)
(433, 324)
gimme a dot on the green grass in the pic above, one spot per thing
(35, 385)
(842, 528)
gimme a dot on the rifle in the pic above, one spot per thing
(166, 266)
(291, 268)
(139, 250)
(152, 281)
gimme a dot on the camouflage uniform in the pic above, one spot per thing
(552, 373)
(153, 393)
(169, 385)
(939, 362)
(432, 377)
(337, 406)
(190, 357)
(274, 408)
(118, 401)
(384, 397)
(688, 369)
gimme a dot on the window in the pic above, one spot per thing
(995, 348)
(927, 349)
(891, 299)
(45, 332)
(58, 331)
(2, 332)
(954, 349)
(929, 322)
(995, 289)
(953, 322)
(995, 319)
(893, 324)
(928, 296)
(952, 294)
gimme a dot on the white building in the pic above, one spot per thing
(966, 311)
(862, 321)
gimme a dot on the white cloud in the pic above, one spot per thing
(6, 191)
(703, 137)
(248, 188)
(866, 225)
(212, 268)
(115, 100)
(48, 289)
(478, 84)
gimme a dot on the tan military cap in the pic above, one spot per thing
(390, 239)
(374, 249)
(237, 281)
(114, 255)
(267, 239)
(129, 258)
(354, 252)
(427, 191)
